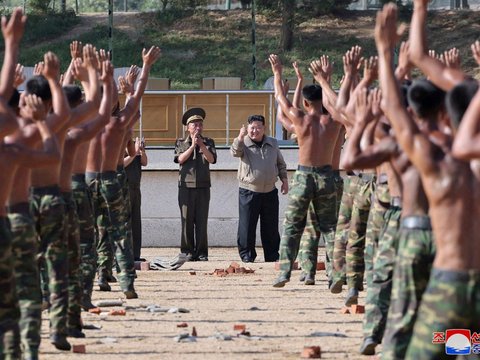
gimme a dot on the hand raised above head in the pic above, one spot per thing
(90, 57)
(151, 55)
(452, 58)
(51, 69)
(34, 107)
(476, 51)
(298, 72)
(363, 106)
(76, 49)
(19, 76)
(275, 63)
(107, 71)
(387, 34)
(132, 74)
(370, 68)
(376, 99)
(38, 68)
(79, 71)
(14, 28)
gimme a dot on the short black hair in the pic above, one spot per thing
(312, 93)
(14, 101)
(38, 85)
(458, 99)
(253, 118)
(73, 94)
(425, 99)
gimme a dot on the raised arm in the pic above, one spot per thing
(467, 140)
(12, 31)
(351, 60)
(288, 109)
(373, 154)
(237, 147)
(297, 95)
(149, 58)
(441, 75)
(60, 108)
(404, 67)
(285, 121)
(75, 53)
(415, 144)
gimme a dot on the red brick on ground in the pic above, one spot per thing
(311, 352)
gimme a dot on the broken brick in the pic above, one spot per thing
(240, 270)
(117, 312)
(357, 309)
(182, 325)
(192, 273)
(345, 310)
(320, 265)
(249, 270)
(194, 331)
(239, 327)
(230, 270)
(234, 265)
(95, 310)
(144, 266)
(80, 349)
(311, 352)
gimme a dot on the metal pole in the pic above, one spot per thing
(227, 119)
(110, 28)
(254, 48)
(125, 5)
(228, 5)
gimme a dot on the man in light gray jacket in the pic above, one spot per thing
(261, 164)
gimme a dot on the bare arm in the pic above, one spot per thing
(12, 31)
(441, 75)
(416, 145)
(467, 140)
(297, 96)
(285, 121)
(75, 52)
(288, 109)
(149, 58)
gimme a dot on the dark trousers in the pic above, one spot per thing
(193, 203)
(136, 204)
(251, 205)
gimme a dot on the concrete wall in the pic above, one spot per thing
(160, 212)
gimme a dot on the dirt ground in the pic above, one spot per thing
(280, 321)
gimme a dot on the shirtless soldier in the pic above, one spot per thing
(314, 179)
(453, 192)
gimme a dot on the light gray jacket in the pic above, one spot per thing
(259, 167)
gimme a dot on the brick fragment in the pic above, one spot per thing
(194, 331)
(230, 270)
(182, 325)
(117, 312)
(311, 352)
(79, 349)
(357, 309)
(240, 270)
(234, 265)
(320, 265)
(95, 310)
(145, 266)
(193, 273)
(345, 310)
(239, 327)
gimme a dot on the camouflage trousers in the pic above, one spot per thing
(416, 251)
(113, 194)
(75, 283)
(9, 309)
(308, 185)
(355, 248)
(376, 218)
(451, 301)
(122, 179)
(88, 261)
(308, 253)
(103, 243)
(27, 279)
(378, 295)
(336, 263)
(48, 210)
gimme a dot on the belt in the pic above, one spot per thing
(46, 190)
(396, 201)
(316, 169)
(91, 175)
(416, 222)
(108, 175)
(19, 208)
(382, 179)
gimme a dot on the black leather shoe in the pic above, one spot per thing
(60, 342)
(111, 278)
(246, 259)
(368, 346)
(103, 284)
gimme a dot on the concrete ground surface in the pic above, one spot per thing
(280, 321)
